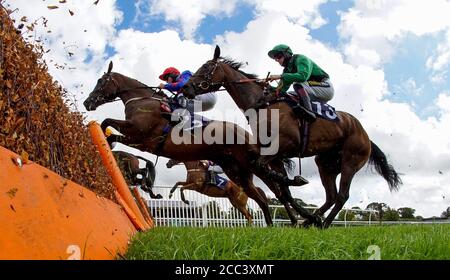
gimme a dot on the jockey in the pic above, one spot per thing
(213, 170)
(311, 83)
(176, 81)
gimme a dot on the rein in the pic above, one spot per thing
(208, 83)
(140, 98)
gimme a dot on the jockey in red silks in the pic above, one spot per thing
(175, 82)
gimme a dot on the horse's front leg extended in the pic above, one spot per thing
(175, 187)
(126, 128)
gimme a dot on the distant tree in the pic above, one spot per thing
(277, 212)
(446, 213)
(391, 215)
(380, 207)
(350, 216)
(406, 213)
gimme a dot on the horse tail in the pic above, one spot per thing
(378, 159)
(289, 165)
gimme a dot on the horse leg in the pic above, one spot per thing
(286, 198)
(343, 195)
(125, 127)
(239, 173)
(261, 165)
(190, 186)
(328, 178)
(153, 195)
(276, 189)
(355, 153)
(310, 218)
(261, 200)
(175, 187)
(250, 189)
(238, 199)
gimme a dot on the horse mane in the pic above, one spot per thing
(236, 66)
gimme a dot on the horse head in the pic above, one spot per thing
(105, 91)
(206, 79)
(225, 72)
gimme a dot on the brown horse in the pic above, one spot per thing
(129, 165)
(146, 129)
(197, 172)
(339, 147)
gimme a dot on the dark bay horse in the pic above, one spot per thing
(339, 147)
(146, 129)
(196, 180)
(129, 165)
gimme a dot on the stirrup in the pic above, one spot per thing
(308, 115)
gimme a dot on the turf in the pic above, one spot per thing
(404, 242)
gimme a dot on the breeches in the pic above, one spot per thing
(318, 91)
(203, 102)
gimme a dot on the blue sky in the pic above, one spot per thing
(407, 63)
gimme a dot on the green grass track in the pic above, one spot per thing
(403, 242)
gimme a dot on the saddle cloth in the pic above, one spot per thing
(321, 109)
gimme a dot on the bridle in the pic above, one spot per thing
(109, 78)
(207, 83)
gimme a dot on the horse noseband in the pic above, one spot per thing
(204, 85)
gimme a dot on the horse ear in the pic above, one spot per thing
(110, 67)
(216, 53)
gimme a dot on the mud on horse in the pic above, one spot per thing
(339, 147)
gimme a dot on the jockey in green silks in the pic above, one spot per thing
(310, 82)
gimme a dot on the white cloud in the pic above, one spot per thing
(439, 62)
(188, 14)
(372, 27)
(300, 12)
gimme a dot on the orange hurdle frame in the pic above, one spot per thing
(123, 194)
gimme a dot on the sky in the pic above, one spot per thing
(389, 62)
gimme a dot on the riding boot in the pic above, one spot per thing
(305, 103)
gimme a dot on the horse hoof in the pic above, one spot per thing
(159, 196)
(306, 224)
(318, 221)
(315, 220)
(299, 181)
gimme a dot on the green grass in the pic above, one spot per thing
(405, 242)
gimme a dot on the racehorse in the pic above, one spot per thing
(129, 165)
(197, 172)
(341, 147)
(146, 129)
